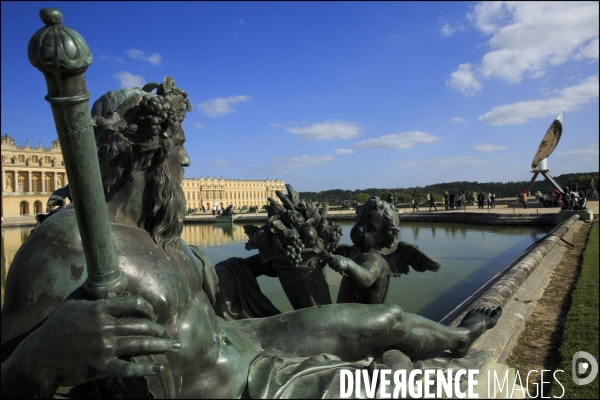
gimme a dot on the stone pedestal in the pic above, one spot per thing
(584, 215)
(225, 218)
(495, 380)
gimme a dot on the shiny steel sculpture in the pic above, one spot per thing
(539, 165)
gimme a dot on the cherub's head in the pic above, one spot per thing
(377, 225)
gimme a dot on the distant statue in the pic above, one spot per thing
(594, 190)
(573, 200)
(59, 197)
(391, 198)
(376, 255)
(228, 211)
(55, 144)
(7, 140)
(27, 160)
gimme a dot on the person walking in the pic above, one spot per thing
(452, 197)
(524, 198)
(415, 203)
(432, 202)
(480, 199)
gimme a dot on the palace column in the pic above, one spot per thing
(29, 181)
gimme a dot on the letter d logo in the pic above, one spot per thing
(582, 367)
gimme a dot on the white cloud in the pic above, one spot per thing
(220, 163)
(449, 30)
(569, 99)
(222, 105)
(111, 58)
(129, 80)
(276, 125)
(328, 130)
(579, 153)
(155, 59)
(344, 151)
(459, 120)
(488, 147)
(399, 141)
(135, 54)
(463, 80)
(198, 125)
(529, 37)
(302, 161)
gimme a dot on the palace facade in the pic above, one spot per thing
(30, 175)
(209, 192)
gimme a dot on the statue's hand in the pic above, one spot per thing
(339, 263)
(82, 340)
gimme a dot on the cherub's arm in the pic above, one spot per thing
(362, 275)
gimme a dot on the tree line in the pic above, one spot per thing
(404, 195)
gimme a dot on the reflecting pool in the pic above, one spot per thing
(470, 255)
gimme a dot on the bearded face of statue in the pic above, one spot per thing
(164, 203)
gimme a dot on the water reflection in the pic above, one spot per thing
(470, 255)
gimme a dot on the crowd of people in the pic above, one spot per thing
(455, 201)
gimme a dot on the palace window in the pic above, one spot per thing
(48, 183)
(21, 158)
(21, 180)
(35, 184)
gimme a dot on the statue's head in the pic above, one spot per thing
(137, 130)
(377, 225)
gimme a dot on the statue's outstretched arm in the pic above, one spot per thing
(362, 275)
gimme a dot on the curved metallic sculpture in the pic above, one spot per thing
(539, 165)
(549, 141)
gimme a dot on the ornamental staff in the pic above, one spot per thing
(63, 56)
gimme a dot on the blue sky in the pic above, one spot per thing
(330, 95)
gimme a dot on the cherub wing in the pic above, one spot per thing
(408, 255)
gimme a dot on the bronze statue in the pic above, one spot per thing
(57, 332)
(296, 239)
(228, 211)
(574, 199)
(52, 334)
(376, 255)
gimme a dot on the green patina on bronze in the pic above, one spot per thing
(183, 328)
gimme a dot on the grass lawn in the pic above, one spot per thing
(581, 326)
